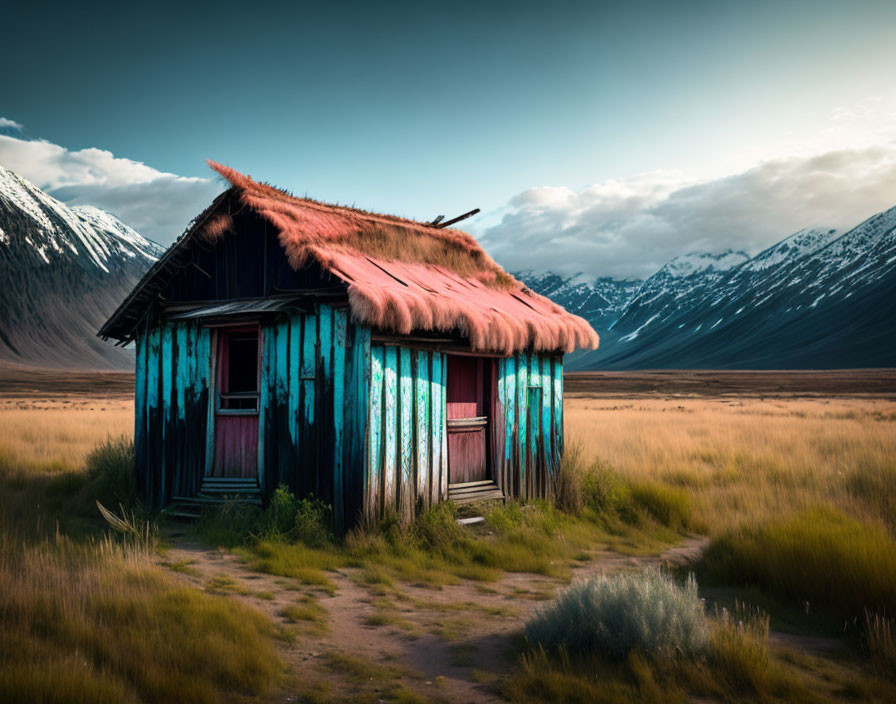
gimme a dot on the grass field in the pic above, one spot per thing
(794, 485)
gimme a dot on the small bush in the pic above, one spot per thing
(818, 556)
(110, 472)
(309, 521)
(312, 522)
(621, 614)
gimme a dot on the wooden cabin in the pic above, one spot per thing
(378, 363)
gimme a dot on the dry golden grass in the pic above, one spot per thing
(744, 461)
(38, 436)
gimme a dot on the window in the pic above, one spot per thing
(238, 371)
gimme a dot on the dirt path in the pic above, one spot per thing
(444, 644)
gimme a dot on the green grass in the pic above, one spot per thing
(113, 627)
(310, 612)
(819, 557)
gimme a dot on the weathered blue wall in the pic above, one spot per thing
(407, 450)
(361, 426)
(313, 408)
(171, 410)
(529, 430)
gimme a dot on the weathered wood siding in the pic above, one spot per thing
(361, 426)
(313, 405)
(528, 437)
(407, 450)
(171, 410)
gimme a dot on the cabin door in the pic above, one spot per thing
(236, 404)
(468, 391)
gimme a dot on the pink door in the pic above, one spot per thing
(467, 407)
(236, 403)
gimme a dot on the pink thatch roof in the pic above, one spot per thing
(405, 276)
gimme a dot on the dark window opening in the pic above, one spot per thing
(238, 357)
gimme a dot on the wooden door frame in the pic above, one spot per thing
(489, 404)
(213, 395)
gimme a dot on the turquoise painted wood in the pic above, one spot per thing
(407, 490)
(360, 425)
(340, 332)
(374, 479)
(422, 414)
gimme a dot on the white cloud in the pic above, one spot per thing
(631, 227)
(7, 124)
(156, 204)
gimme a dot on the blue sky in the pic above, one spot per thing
(573, 125)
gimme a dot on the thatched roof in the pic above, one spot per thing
(403, 276)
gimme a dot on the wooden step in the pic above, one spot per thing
(470, 492)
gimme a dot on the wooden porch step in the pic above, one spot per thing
(470, 492)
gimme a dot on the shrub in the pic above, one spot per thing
(309, 521)
(625, 613)
(110, 472)
(436, 528)
(819, 556)
(312, 522)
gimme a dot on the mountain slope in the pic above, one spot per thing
(63, 270)
(818, 299)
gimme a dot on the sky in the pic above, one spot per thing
(602, 138)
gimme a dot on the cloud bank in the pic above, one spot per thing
(156, 204)
(631, 227)
(11, 125)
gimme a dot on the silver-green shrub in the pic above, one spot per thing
(646, 612)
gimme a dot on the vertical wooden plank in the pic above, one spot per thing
(509, 383)
(167, 400)
(443, 425)
(308, 419)
(309, 359)
(209, 361)
(265, 408)
(286, 466)
(390, 428)
(182, 369)
(559, 430)
(153, 416)
(437, 420)
(357, 406)
(407, 493)
(522, 414)
(340, 322)
(140, 415)
(375, 427)
(422, 412)
(324, 450)
(547, 392)
(295, 356)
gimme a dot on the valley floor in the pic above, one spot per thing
(728, 456)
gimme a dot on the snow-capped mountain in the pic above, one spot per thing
(818, 299)
(63, 270)
(599, 300)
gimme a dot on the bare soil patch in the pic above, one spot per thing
(444, 644)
